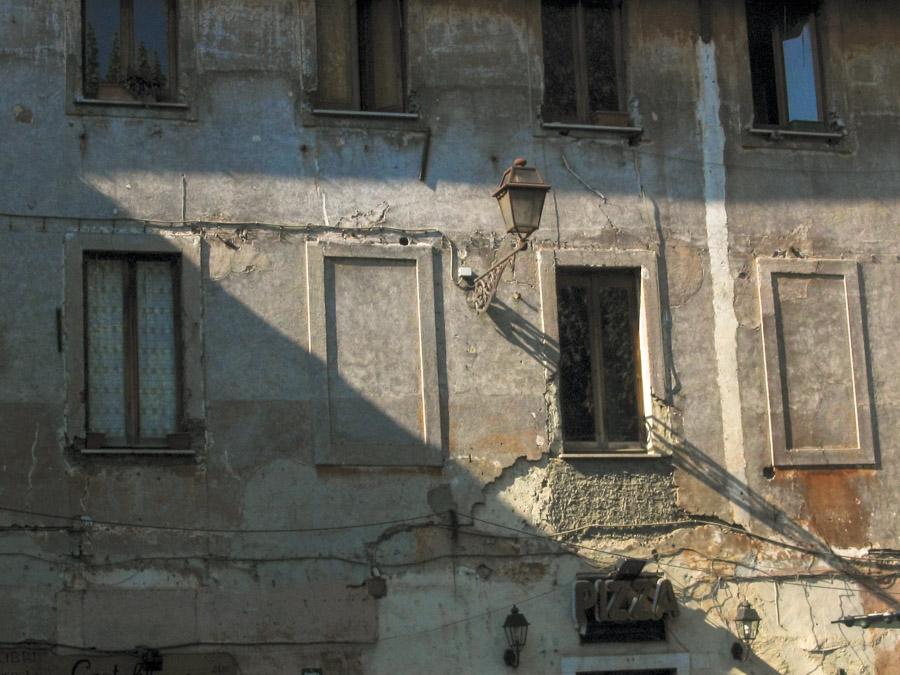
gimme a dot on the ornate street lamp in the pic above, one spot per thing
(521, 197)
(746, 623)
(516, 629)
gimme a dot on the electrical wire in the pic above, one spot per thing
(88, 521)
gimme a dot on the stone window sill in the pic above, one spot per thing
(622, 454)
(365, 114)
(161, 105)
(136, 451)
(776, 134)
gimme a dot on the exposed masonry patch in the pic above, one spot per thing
(568, 495)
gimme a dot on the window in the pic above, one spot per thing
(360, 55)
(603, 334)
(583, 63)
(599, 359)
(133, 343)
(129, 50)
(131, 349)
(785, 63)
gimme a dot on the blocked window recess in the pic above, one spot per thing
(133, 343)
(373, 340)
(816, 372)
(601, 319)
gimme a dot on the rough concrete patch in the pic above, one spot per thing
(685, 273)
(23, 114)
(609, 494)
(525, 572)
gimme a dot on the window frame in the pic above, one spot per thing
(652, 372)
(127, 40)
(183, 71)
(583, 115)
(360, 67)
(594, 280)
(131, 349)
(576, 665)
(189, 437)
(780, 84)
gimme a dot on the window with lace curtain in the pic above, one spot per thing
(131, 350)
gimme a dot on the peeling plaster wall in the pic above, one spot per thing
(258, 177)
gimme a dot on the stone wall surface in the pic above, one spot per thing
(254, 547)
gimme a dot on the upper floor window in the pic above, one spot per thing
(360, 55)
(583, 62)
(129, 50)
(785, 64)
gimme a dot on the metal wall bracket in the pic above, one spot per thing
(485, 286)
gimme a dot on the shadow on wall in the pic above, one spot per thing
(692, 460)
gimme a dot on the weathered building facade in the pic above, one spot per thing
(250, 419)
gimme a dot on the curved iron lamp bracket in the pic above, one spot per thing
(485, 287)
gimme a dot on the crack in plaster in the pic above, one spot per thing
(33, 459)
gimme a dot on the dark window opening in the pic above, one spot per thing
(132, 350)
(129, 51)
(360, 53)
(785, 63)
(583, 64)
(600, 383)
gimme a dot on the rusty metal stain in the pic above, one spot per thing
(887, 661)
(834, 503)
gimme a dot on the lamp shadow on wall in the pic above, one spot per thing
(693, 461)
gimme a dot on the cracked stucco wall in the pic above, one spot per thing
(257, 178)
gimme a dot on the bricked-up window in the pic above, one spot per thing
(599, 359)
(583, 64)
(785, 63)
(129, 50)
(360, 54)
(132, 370)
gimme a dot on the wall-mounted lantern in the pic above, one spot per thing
(521, 197)
(516, 629)
(746, 623)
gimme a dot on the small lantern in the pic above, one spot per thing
(516, 629)
(521, 197)
(746, 622)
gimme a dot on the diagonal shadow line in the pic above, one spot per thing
(692, 460)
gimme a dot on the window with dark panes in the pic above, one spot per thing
(360, 54)
(583, 63)
(132, 378)
(129, 50)
(785, 63)
(600, 383)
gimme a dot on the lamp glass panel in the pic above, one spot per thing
(527, 205)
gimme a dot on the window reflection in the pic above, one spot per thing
(800, 75)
